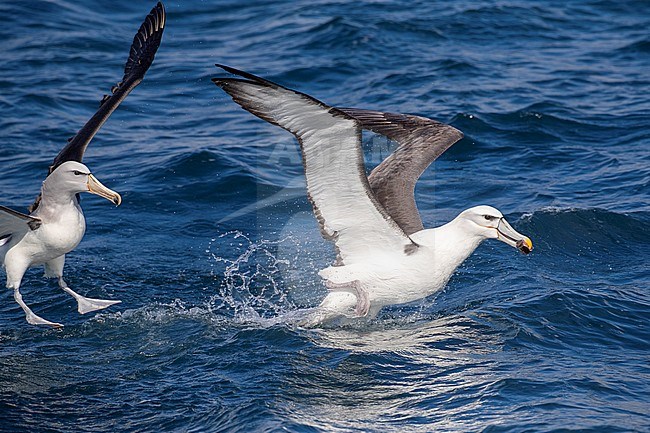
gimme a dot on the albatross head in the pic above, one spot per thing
(489, 223)
(73, 177)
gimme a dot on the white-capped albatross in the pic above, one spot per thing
(56, 223)
(384, 254)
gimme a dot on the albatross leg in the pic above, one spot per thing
(16, 268)
(32, 318)
(356, 288)
(54, 269)
(86, 305)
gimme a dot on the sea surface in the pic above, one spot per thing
(214, 249)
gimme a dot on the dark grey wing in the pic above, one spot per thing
(143, 49)
(421, 141)
(337, 187)
(13, 223)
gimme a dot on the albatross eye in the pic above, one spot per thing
(77, 173)
(488, 217)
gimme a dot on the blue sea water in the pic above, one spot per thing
(215, 247)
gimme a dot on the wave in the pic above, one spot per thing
(596, 234)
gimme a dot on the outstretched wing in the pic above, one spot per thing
(14, 223)
(421, 141)
(337, 186)
(143, 49)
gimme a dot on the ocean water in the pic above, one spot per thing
(214, 248)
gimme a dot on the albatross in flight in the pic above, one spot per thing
(384, 254)
(56, 222)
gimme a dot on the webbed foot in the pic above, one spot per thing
(87, 305)
(33, 319)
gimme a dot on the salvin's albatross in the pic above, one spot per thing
(384, 254)
(56, 222)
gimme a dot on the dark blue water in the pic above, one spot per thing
(553, 99)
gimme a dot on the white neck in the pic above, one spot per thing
(53, 201)
(453, 242)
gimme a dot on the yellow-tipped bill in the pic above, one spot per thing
(507, 234)
(96, 187)
(525, 245)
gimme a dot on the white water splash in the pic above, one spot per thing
(252, 280)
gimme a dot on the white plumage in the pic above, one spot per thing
(384, 255)
(56, 223)
(54, 229)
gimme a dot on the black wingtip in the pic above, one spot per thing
(230, 69)
(244, 74)
(145, 43)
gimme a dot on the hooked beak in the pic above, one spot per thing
(96, 187)
(510, 236)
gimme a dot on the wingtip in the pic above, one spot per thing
(231, 70)
(227, 69)
(155, 21)
(162, 13)
(146, 42)
(247, 75)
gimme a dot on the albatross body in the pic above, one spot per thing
(56, 224)
(400, 278)
(384, 254)
(54, 229)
